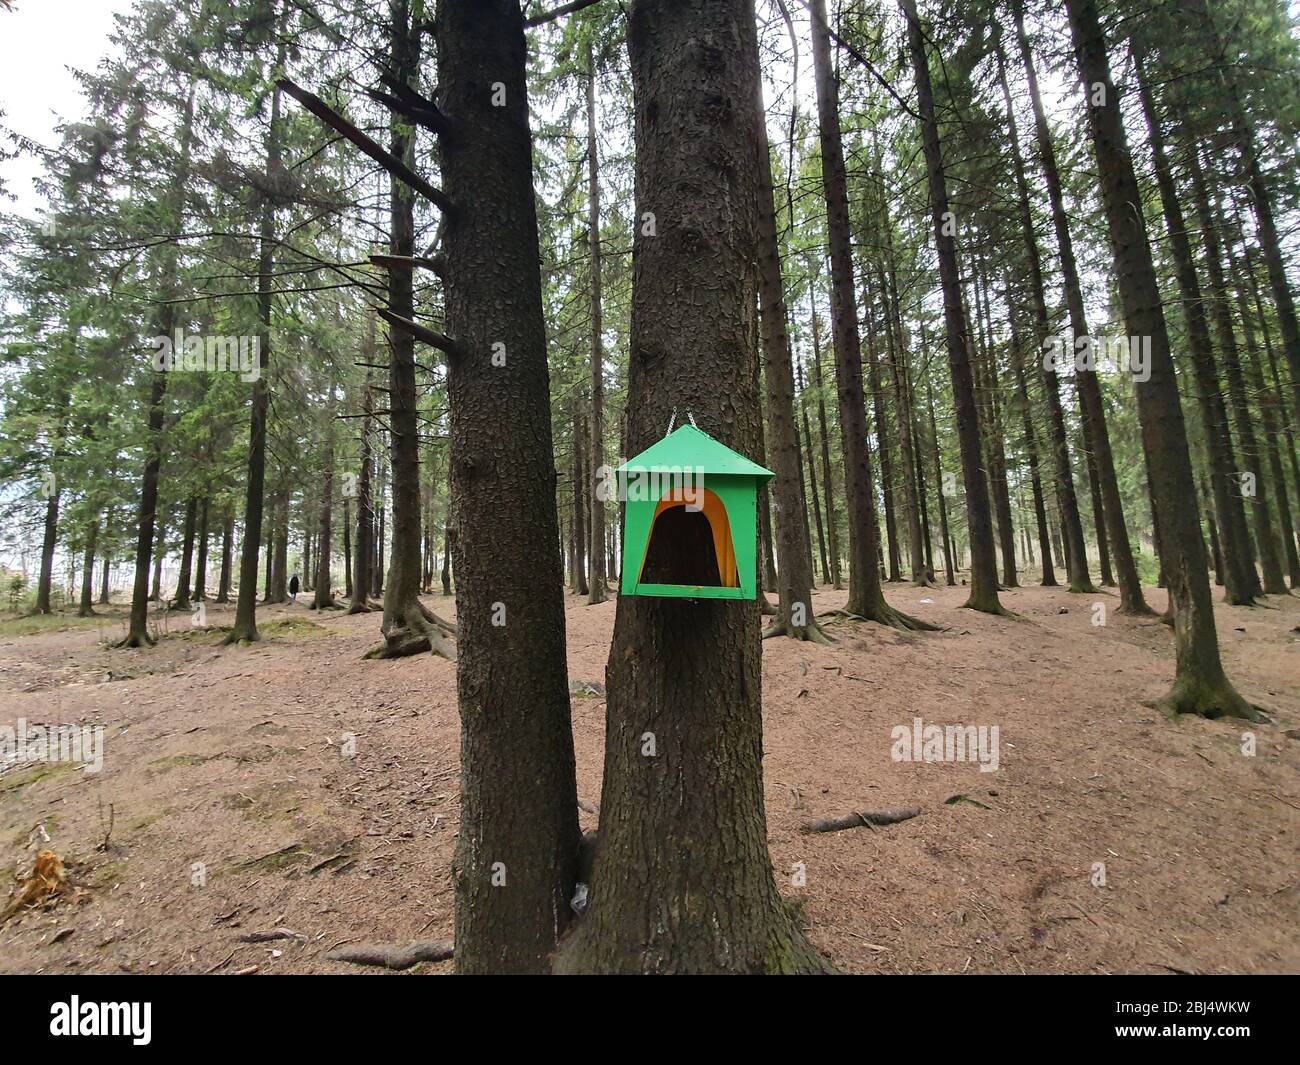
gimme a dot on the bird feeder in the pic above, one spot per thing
(689, 532)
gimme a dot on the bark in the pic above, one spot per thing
(598, 591)
(245, 624)
(1076, 552)
(682, 880)
(363, 549)
(1241, 583)
(201, 563)
(983, 564)
(85, 607)
(182, 600)
(227, 551)
(324, 597)
(884, 437)
(408, 626)
(828, 480)
(794, 575)
(1086, 380)
(1031, 450)
(138, 627)
(518, 807)
(1251, 457)
(1200, 685)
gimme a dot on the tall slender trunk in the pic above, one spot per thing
(182, 600)
(201, 563)
(138, 627)
(1076, 553)
(86, 607)
(983, 565)
(1251, 458)
(227, 552)
(245, 624)
(1241, 583)
(1086, 379)
(1200, 685)
(362, 548)
(598, 577)
(781, 434)
(828, 480)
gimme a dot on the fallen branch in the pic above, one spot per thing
(889, 816)
(393, 956)
(273, 934)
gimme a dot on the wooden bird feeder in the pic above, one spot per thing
(690, 508)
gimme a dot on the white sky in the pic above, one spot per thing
(39, 40)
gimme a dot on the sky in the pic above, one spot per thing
(39, 40)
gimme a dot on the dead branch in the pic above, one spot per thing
(394, 956)
(889, 816)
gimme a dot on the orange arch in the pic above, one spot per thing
(720, 525)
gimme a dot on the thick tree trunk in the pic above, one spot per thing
(1200, 685)
(517, 845)
(983, 565)
(683, 881)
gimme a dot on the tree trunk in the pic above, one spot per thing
(683, 749)
(362, 549)
(828, 480)
(983, 564)
(516, 848)
(245, 624)
(598, 590)
(1076, 552)
(182, 600)
(408, 626)
(794, 575)
(1086, 380)
(1241, 583)
(86, 606)
(1200, 685)
(227, 551)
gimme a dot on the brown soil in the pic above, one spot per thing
(231, 757)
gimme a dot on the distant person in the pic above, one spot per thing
(293, 588)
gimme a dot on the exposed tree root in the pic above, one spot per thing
(884, 615)
(393, 956)
(418, 631)
(995, 608)
(360, 606)
(860, 818)
(811, 632)
(1209, 701)
(236, 636)
(136, 640)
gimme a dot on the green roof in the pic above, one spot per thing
(689, 447)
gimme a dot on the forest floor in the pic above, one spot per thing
(233, 757)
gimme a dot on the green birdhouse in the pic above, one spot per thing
(690, 506)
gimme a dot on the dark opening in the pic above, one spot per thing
(681, 550)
